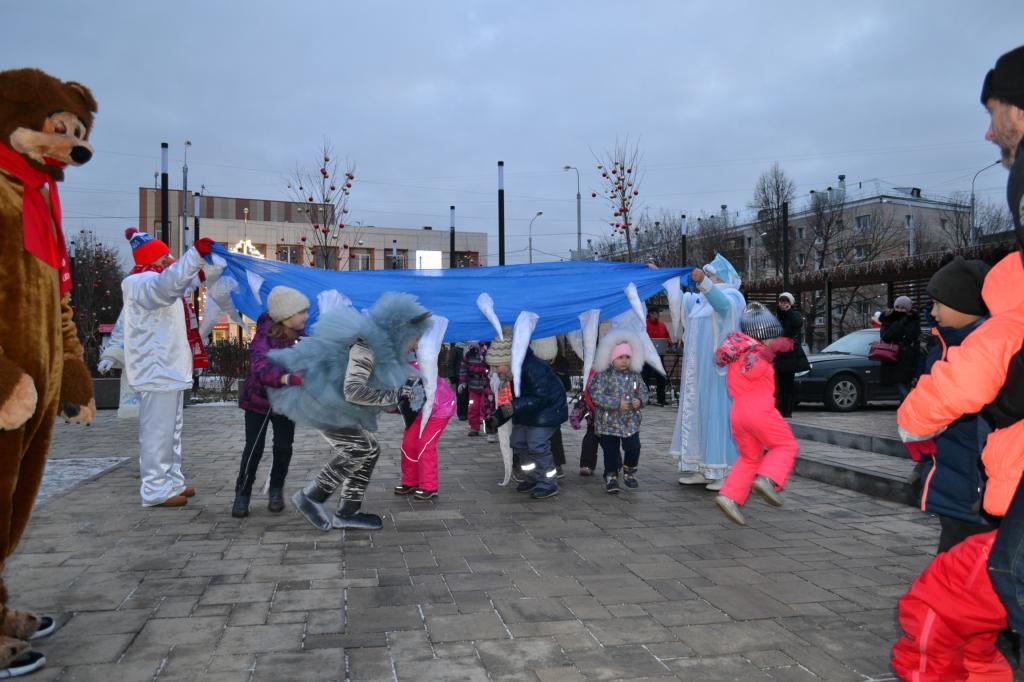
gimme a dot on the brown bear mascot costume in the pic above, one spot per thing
(44, 125)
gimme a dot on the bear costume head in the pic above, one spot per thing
(46, 120)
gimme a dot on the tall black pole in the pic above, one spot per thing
(501, 213)
(785, 246)
(682, 230)
(195, 236)
(451, 237)
(165, 219)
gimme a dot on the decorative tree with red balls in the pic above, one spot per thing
(322, 192)
(96, 276)
(621, 174)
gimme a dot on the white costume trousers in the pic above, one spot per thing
(160, 418)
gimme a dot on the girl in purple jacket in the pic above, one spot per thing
(279, 327)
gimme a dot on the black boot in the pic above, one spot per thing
(310, 503)
(276, 501)
(240, 507)
(349, 516)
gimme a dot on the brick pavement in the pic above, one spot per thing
(479, 584)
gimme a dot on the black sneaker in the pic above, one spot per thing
(560, 474)
(424, 494)
(611, 484)
(23, 664)
(630, 480)
(405, 489)
(526, 486)
(542, 493)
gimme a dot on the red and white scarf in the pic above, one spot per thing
(195, 341)
(40, 223)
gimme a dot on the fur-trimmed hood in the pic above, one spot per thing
(613, 338)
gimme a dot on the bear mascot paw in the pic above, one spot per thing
(76, 398)
(18, 396)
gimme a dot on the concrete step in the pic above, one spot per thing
(868, 442)
(870, 473)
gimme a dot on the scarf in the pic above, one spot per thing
(39, 223)
(195, 342)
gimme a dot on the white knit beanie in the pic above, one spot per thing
(546, 349)
(283, 302)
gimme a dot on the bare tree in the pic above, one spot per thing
(992, 218)
(773, 189)
(954, 228)
(96, 290)
(621, 175)
(658, 240)
(713, 234)
(324, 194)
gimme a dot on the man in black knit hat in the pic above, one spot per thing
(953, 612)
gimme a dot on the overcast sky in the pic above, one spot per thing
(425, 97)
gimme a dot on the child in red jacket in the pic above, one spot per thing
(766, 444)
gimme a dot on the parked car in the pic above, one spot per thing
(842, 376)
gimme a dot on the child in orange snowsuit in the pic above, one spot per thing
(766, 444)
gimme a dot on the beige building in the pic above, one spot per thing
(284, 231)
(844, 224)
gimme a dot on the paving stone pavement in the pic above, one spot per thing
(481, 583)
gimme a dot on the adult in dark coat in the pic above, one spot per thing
(455, 354)
(901, 325)
(789, 363)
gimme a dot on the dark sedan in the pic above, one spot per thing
(842, 376)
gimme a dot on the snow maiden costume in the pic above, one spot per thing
(703, 439)
(353, 366)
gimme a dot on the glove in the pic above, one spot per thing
(506, 411)
(921, 450)
(204, 246)
(405, 392)
(495, 420)
(210, 273)
(461, 389)
(105, 366)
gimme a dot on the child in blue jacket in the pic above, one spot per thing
(952, 473)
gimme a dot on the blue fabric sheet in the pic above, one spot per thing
(557, 292)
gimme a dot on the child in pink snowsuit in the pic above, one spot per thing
(766, 444)
(419, 452)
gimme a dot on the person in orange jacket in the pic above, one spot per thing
(985, 373)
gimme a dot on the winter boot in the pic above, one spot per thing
(275, 502)
(310, 503)
(350, 517)
(764, 487)
(240, 507)
(730, 509)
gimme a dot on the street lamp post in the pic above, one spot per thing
(974, 228)
(539, 214)
(579, 218)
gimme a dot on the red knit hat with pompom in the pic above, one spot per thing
(145, 247)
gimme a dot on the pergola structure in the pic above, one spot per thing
(904, 276)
